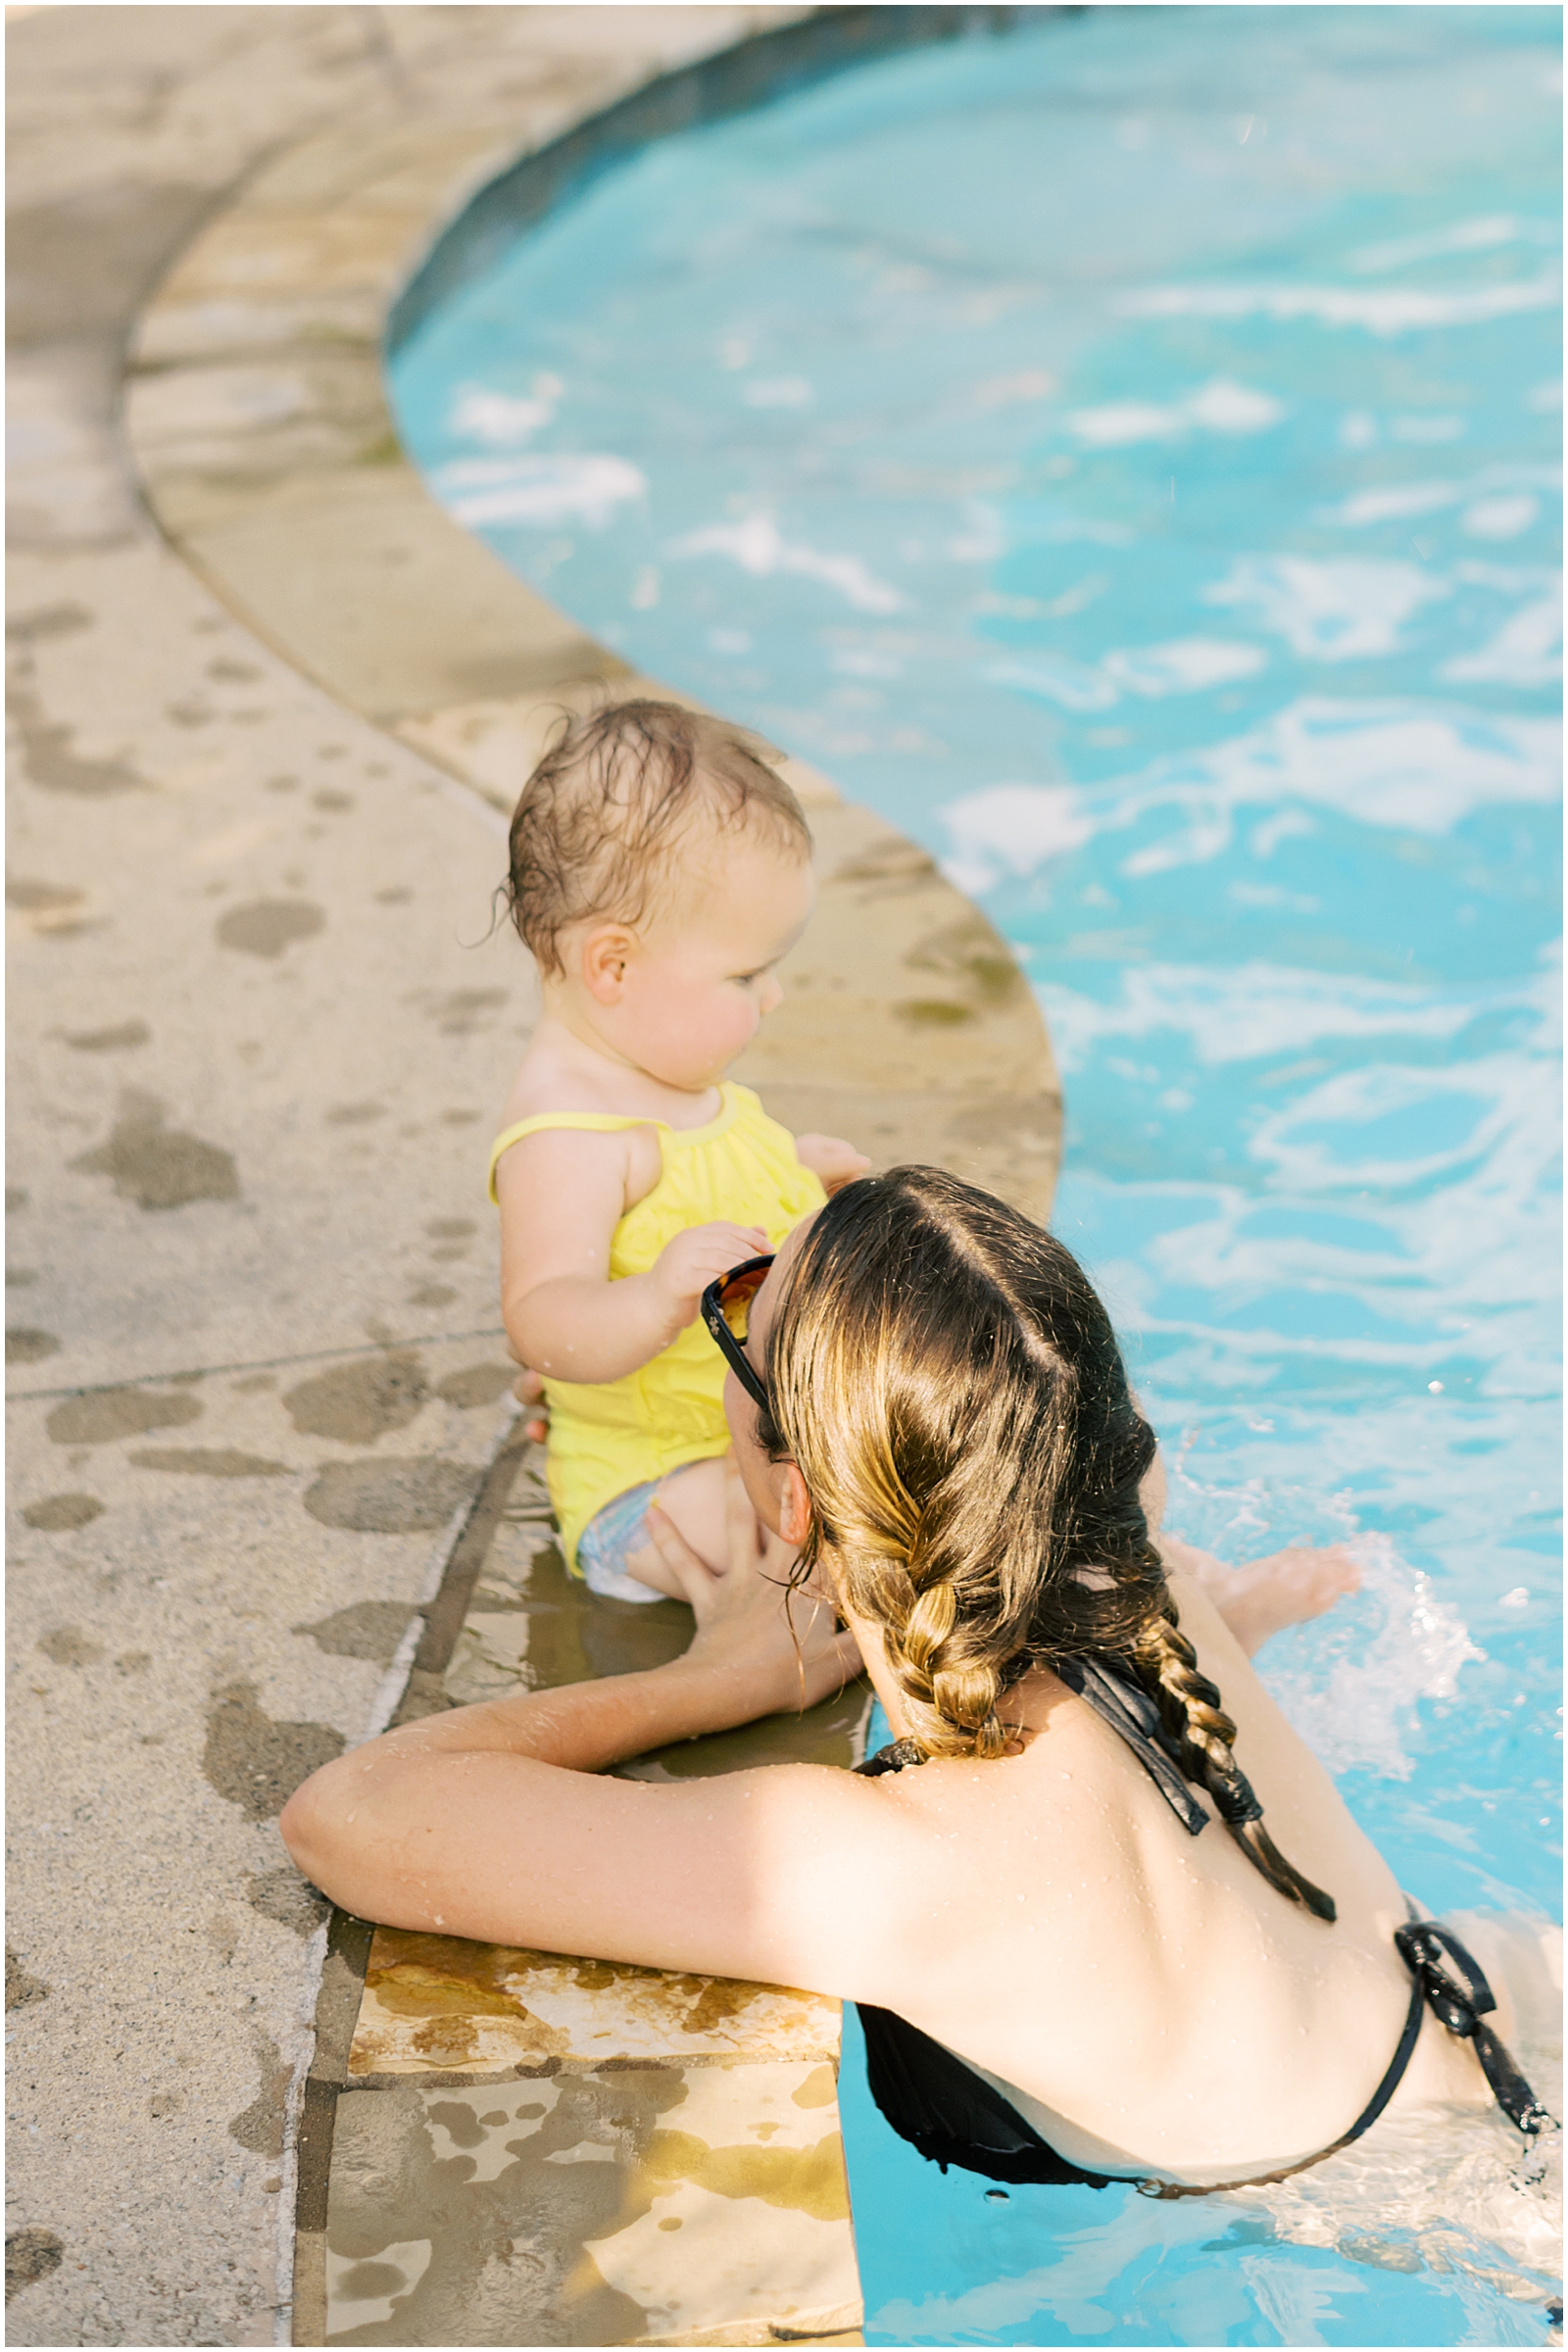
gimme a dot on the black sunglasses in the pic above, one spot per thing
(726, 1308)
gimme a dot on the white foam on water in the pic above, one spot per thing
(1335, 1137)
(497, 418)
(541, 492)
(1011, 829)
(1219, 407)
(1245, 1013)
(1396, 502)
(778, 392)
(1501, 517)
(1182, 666)
(759, 547)
(1527, 651)
(1179, 665)
(1416, 766)
(1344, 610)
(1372, 1659)
(1387, 310)
(1074, 685)
(1465, 237)
(1426, 428)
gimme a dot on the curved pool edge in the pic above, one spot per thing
(255, 413)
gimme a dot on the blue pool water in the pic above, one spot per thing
(1123, 451)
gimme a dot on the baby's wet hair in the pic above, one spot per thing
(608, 819)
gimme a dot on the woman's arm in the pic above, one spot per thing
(489, 1822)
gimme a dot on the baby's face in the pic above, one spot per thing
(704, 975)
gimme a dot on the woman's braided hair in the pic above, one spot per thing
(950, 1387)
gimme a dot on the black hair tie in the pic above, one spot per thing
(1235, 1799)
(892, 1758)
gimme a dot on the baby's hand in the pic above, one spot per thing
(685, 1266)
(835, 1161)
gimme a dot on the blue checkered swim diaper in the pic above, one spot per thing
(621, 1527)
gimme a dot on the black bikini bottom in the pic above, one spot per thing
(955, 2116)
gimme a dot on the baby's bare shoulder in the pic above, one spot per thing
(555, 1083)
(573, 1163)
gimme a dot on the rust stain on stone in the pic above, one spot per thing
(527, 2007)
(806, 2180)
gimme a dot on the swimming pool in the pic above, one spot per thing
(1123, 451)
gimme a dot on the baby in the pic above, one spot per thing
(660, 872)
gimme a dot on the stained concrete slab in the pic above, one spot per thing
(624, 2205)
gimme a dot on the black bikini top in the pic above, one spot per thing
(955, 2117)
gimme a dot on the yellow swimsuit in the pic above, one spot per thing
(741, 1167)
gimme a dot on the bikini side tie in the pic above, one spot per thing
(1459, 1997)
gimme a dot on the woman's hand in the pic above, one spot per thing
(749, 1623)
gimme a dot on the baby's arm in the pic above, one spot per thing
(561, 1193)
(835, 1161)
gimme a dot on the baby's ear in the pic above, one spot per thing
(605, 951)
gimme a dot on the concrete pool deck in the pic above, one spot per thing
(262, 1464)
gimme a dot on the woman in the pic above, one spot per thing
(1068, 1968)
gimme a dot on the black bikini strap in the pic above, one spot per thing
(1395, 2073)
(1450, 1980)
(1130, 1712)
(1127, 1707)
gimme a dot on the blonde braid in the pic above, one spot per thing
(949, 1693)
(1192, 1711)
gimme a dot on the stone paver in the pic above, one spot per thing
(260, 1021)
